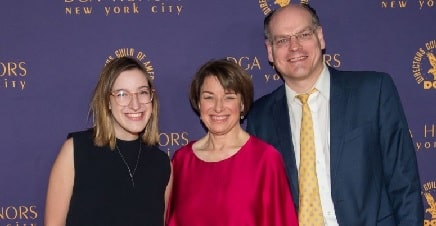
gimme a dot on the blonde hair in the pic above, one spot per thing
(103, 123)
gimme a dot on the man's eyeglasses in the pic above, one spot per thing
(284, 41)
(124, 97)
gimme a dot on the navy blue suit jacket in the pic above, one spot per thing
(374, 175)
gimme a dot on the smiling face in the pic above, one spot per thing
(219, 109)
(131, 119)
(300, 59)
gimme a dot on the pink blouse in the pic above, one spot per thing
(249, 188)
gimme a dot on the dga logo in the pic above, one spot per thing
(248, 63)
(139, 55)
(429, 193)
(424, 66)
(253, 65)
(255, 68)
(267, 7)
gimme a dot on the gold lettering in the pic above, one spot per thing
(429, 222)
(416, 68)
(149, 67)
(419, 79)
(418, 56)
(429, 84)
(173, 139)
(267, 77)
(124, 52)
(165, 141)
(20, 212)
(133, 9)
(33, 212)
(165, 8)
(432, 130)
(13, 69)
(78, 10)
(429, 185)
(8, 83)
(430, 45)
(263, 4)
(246, 63)
(429, 3)
(109, 59)
(140, 56)
(426, 145)
(255, 63)
(332, 60)
(402, 4)
(274, 77)
(394, 4)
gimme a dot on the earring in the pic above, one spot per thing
(110, 107)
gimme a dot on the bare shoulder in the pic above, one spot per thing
(64, 163)
(67, 150)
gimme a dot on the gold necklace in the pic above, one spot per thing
(131, 174)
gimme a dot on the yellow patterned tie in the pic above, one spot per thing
(310, 210)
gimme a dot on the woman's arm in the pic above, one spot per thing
(168, 193)
(60, 186)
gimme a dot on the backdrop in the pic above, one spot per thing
(51, 52)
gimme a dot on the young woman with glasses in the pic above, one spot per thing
(114, 173)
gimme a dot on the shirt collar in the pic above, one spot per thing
(322, 85)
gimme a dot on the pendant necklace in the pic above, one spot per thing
(131, 173)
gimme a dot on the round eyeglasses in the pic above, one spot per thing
(284, 41)
(124, 97)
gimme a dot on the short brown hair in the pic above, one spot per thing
(230, 75)
(104, 132)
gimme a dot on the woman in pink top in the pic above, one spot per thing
(227, 177)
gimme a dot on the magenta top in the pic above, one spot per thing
(250, 188)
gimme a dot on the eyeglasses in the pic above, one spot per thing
(284, 41)
(124, 97)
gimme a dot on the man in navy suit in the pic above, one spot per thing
(365, 159)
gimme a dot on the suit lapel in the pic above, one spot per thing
(285, 146)
(339, 97)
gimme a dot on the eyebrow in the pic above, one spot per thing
(225, 92)
(207, 92)
(299, 32)
(141, 87)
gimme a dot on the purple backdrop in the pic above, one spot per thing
(51, 53)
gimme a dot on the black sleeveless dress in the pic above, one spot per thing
(103, 192)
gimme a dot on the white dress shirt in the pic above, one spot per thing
(319, 104)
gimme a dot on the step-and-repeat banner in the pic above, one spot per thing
(51, 53)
